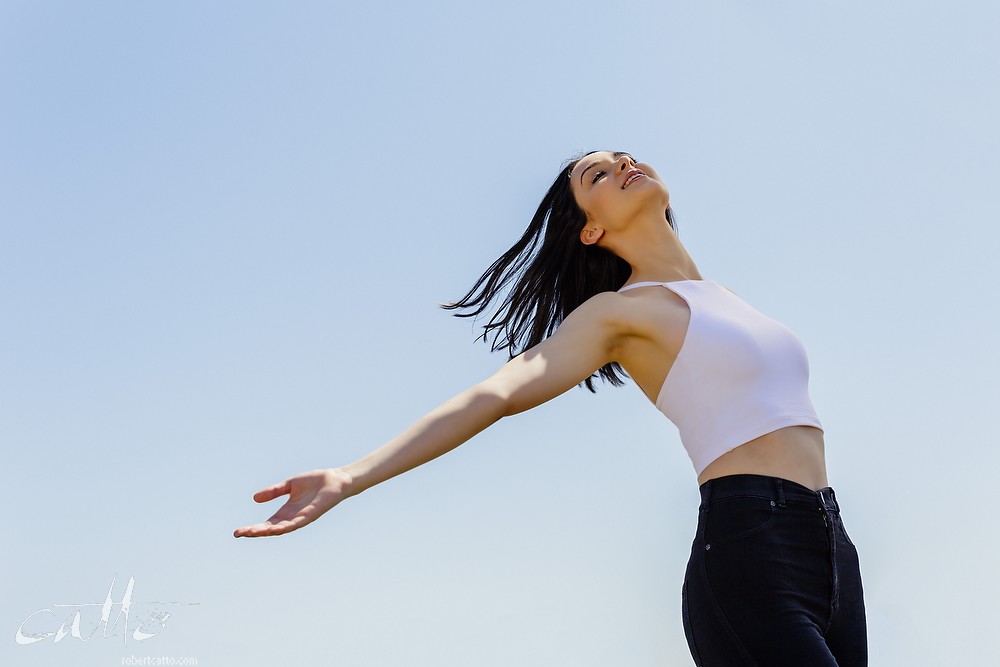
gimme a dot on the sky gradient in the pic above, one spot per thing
(225, 228)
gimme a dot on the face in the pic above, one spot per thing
(603, 188)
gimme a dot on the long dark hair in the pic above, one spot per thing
(550, 282)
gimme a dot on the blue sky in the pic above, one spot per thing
(224, 232)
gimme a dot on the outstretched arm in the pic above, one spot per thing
(585, 341)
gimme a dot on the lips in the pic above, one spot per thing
(631, 176)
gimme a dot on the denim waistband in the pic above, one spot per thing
(784, 492)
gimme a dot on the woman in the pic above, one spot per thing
(773, 578)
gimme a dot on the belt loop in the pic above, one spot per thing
(781, 492)
(708, 492)
(824, 501)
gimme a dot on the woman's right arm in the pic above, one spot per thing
(586, 340)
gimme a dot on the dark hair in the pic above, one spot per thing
(550, 282)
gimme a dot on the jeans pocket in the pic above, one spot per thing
(738, 517)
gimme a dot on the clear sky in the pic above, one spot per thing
(225, 228)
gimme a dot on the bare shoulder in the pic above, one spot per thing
(613, 308)
(621, 315)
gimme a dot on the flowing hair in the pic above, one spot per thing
(550, 282)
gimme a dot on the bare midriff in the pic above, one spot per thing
(794, 452)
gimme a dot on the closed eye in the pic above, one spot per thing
(601, 173)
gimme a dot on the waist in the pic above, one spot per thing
(794, 453)
(784, 492)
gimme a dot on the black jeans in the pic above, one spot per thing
(773, 578)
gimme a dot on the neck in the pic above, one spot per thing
(655, 253)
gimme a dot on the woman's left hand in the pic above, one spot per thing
(311, 494)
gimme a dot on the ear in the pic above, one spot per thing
(591, 235)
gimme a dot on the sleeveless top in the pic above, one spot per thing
(738, 375)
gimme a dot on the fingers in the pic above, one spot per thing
(305, 505)
(267, 528)
(272, 492)
(285, 520)
(256, 530)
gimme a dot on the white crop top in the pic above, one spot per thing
(738, 375)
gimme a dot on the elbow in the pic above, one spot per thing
(495, 401)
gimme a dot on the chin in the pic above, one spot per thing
(650, 194)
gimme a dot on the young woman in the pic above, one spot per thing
(602, 286)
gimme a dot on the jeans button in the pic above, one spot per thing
(707, 547)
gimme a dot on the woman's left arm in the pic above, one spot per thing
(584, 342)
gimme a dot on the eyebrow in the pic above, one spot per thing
(616, 154)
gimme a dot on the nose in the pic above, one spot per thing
(624, 163)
